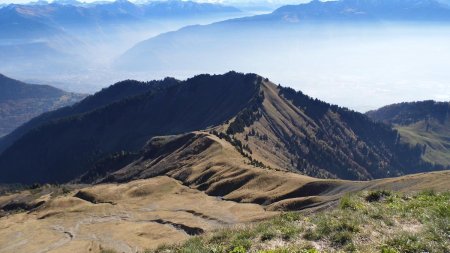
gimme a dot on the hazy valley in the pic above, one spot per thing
(362, 55)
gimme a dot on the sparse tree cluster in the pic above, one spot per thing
(262, 137)
(247, 116)
(241, 148)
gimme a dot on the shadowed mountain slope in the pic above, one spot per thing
(11, 89)
(272, 127)
(107, 96)
(75, 142)
(410, 113)
(19, 102)
(424, 123)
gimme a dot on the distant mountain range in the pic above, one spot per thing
(424, 123)
(53, 18)
(271, 126)
(290, 20)
(371, 10)
(66, 37)
(20, 102)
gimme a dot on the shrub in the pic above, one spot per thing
(268, 235)
(238, 249)
(375, 196)
(342, 237)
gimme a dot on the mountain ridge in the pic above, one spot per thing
(411, 112)
(114, 93)
(424, 123)
(274, 127)
(127, 132)
(20, 102)
(366, 10)
(67, 15)
(61, 40)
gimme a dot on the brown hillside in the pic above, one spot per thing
(212, 165)
(198, 183)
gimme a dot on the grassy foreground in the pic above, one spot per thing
(379, 221)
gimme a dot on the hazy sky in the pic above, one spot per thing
(218, 1)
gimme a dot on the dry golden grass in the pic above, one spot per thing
(122, 217)
(204, 185)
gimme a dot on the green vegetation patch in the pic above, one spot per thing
(376, 221)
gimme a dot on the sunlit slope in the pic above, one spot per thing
(212, 189)
(134, 216)
(180, 187)
(290, 130)
(425, 124)
(436, 140)
(213, 165)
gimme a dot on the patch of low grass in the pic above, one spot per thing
(193, 245)
(337, 228)
(107, 251)
(387, 222)
(407, 243)
(348, 202)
